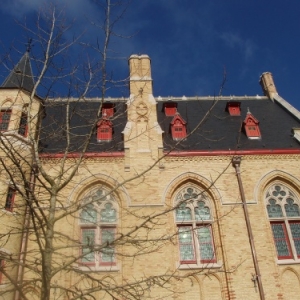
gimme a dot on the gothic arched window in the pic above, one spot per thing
(284, 214)
(194, 222)
(98, 220)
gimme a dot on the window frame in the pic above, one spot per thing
(10, 198)
(284, 219)
(23, 127)
(5, 121)
(98, 205)
(181, 202)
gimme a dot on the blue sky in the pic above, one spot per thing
(189, 42)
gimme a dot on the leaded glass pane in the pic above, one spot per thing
(274, 210)
(291, 209)
(108, 214)
(202, 212)
(205, 243)
(295, 229)
(186, 244)
(190, 195)
(107, 253)
(88, 214)
(280, 240)
(183, 213)
(88, 240)
(98, 195)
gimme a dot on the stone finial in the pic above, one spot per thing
(267, 84)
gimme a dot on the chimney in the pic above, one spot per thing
(268, 86)
(140, 74)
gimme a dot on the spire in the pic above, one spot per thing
(21, 76)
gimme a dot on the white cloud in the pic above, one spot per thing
(19, 8)
(233, 40)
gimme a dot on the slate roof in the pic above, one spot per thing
(218, 131)
(82, 115)
(21, 76)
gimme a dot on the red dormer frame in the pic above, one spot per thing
(108, 110)
(234, 108)
(178, 128)
(104, 130)
(251, 126)
(170, 108)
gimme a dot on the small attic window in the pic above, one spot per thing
(234, 108)
(104, 131)
(178, 128)
(108, 110)
(170, 108)
(251, 126)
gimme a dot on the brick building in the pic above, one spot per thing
(165, 198)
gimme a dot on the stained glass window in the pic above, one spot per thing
(88, 214)
(295, 229)
(186, 244)
(196, 244)
(108, 214)
(98, 221)
(107, 253)
(283, 206)
(274, 210)
(183, 213)
(291, 209)
(205, 243)
(202, 212)
(88, 240)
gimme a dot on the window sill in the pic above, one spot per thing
(216, 265)
(86, 268)
(288, 261)
(14, 134)
(8, 212)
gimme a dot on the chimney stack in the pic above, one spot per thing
(140, 74)
(268, 86)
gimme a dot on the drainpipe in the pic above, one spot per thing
(236, 161)
(25, 234)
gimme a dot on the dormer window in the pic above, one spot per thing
(178, 128)
(251, 126)
(108, 110)
(170, 108)
(104, 130)
(234, 108)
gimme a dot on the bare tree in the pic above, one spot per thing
(46, 162)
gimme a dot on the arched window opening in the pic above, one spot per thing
(23, 127)
(194, 222)
(98, 221)
(284, 215)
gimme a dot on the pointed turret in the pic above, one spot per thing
(21, 76)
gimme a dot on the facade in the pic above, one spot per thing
(165, 198)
